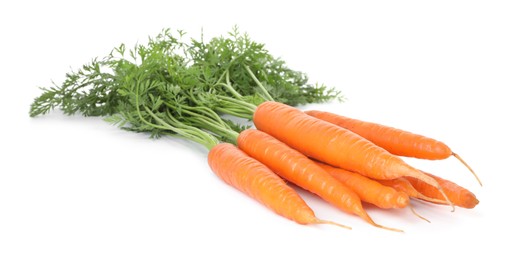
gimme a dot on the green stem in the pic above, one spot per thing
(204, 112)
(261, 87)
(228, 85)
(227, 133)
(231, 89)
(235, 113)
(221, 77)
(203, 118)
(191, 133)
(250, 107)
(139, 112)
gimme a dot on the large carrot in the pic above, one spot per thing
(302, 171)
(369, 190)
(458, 195)
(332, 144)
(256, 180)
(395, 141)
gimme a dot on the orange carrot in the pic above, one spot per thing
(372, 191)
(369, 190)
(403, 185)
(395, 141)
(256, 180)
(458, 195)
(331, 144)
(302, 171)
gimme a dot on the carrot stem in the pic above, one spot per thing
(470, 169)
(261, 87)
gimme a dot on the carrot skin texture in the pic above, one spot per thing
(298, 169)
(331, 144)
(251, 177)
(369, 190)
(458, 195)
(402, 185)
(395, 141)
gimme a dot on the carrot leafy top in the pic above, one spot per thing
(175, 86)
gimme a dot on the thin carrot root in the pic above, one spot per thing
(416, 214)
(387, 228)
(421, 196)
(470, 169)
(446, 198)
(431, 181)
(370, 220)
(322, 221)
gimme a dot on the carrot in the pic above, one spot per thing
(333, 145)
(302, 171)
(458, 195)
(253, 178)
(403, 185)
(395, 141)
(369, 190)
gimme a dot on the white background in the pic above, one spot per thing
(79, 188)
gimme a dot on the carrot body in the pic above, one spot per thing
(332, 144)
(300, 170)
(458, 195)
(369, 190)
(254, 179)
(395, 141)
(401, 184)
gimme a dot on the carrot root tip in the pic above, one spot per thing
(367, 218)
(418, 215)
(470, 169)
(321, 221)
(388, 228)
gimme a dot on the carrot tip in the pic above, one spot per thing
(321, 221)
(370, 220)
(388, 228)
(470, 169)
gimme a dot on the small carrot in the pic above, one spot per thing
(403, 185)
(458, 195)
(302, 171)
(254, 179)
(369, 190)
(395, 141)
(332, 144)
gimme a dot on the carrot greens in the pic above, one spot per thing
(232, 66)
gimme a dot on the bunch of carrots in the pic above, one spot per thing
(344, 161)
(316, 152)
